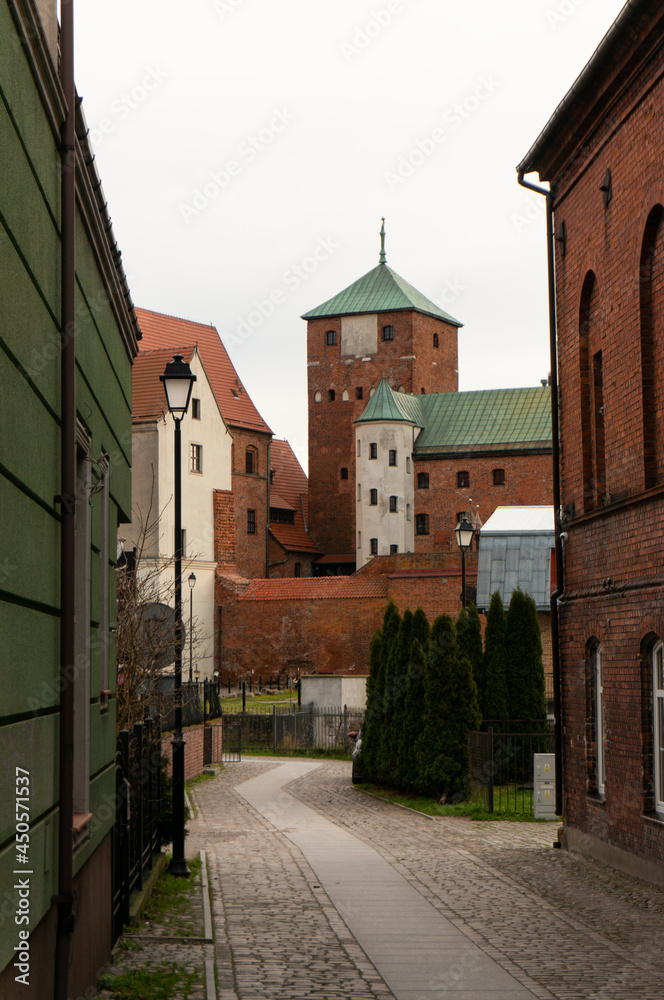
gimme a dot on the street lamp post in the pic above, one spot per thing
(192, 584)
(178, 380)
(464, 532)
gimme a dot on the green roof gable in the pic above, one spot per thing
(459, 422)
(381, 290)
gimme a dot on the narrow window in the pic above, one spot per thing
(249, 460)
(196, 409)
(463, 479)
(196, 458)
(251, 522)
(422, 524)
(318, 397)
(423, 480)
(373, 450)
(394, 549)
(436, 341)
(373, 542)
(409, 516)
(658, 721)
(373, 498)
(358, 392)
(393, 505)
(423, 391)
(298, 569)
(359, 539)
(331, 338)
(408, 469)
(359, 491)
(359, 449)
(595, 731)
(344, 473)
(183, 543)
(498, 477)
(393, 456)
(388, 333)
(331, 395)
(371, 392)
(344, 396)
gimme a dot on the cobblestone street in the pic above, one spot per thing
(559, 924)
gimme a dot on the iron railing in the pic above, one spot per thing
(501, 766)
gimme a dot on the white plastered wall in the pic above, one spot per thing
(378, 521)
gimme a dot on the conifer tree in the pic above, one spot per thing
(469, 637)
(494, 696)
(450, 710)
(412, 718)
(397, 673)
(373, 712)
(374, 716)
(526, 696)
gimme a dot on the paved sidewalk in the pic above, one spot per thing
(320, 891)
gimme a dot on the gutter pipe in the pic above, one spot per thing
(555, 458)
(67, 501)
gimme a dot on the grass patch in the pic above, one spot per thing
(505, 807)
(258, 699)
(170, 898)
(155, 984)
(200, 777)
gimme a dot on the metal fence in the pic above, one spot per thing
(501, 767)
(138, 804)
(287, 729)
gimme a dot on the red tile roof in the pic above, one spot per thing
(290, 486)
(322, 588)
(148, 397)
(161, 331)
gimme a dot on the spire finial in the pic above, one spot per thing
(382, 259)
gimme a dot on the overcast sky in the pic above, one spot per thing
(248, 149)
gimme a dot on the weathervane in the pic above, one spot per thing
(382, 259)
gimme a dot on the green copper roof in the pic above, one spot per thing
(381, 290)
(385, 404)
(483, 420)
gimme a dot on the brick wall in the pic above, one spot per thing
(283, 563)
(527, 483)
(610, 301)
(406, 361)
(193, 753)
(250, 491)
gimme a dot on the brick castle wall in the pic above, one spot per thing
(250, 491)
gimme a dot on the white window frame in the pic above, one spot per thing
(600, 729)
(658, 724)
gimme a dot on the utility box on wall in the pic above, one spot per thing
(544, 786)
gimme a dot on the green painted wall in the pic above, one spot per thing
(29, 480)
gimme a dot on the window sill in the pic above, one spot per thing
(597, 798)
(657, 819)
(81, 828)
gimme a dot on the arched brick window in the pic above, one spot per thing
(651, 301)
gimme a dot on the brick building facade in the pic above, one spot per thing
(602, 154)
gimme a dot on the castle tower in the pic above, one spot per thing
(378, 327)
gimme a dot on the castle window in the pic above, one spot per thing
(318, 397)
(388, 333)
(331, 395)
(463, 480)
(393, 456)
(423, 391)
(298, 569)
(344, 396)
(409, 516)
(344, 473)
(373, 498)
(394, 550)
(250, 464)
(373, 543)
(358, 392)
(251, 522)
(371, 392)
(195, 409)
(373, 450)
(393, 505)
(423, 480)
(331, 338)
(359, 491)
(498, 477)
(408, 468)
(436, 341)
(359, 539)
(196, 458)
(421, 524)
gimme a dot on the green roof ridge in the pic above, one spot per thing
(379, 290)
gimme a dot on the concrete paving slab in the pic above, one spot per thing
(388, 917)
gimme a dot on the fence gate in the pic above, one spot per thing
(231, 740)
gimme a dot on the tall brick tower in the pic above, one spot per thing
(378, 327)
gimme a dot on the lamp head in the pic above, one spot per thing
(178, 380)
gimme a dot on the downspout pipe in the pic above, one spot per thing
(67, 500)
(555, 458)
